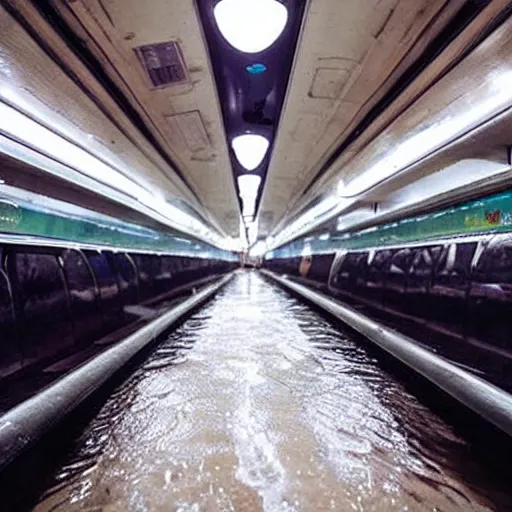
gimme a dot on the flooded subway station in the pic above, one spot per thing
(256, 402)
(255, 255)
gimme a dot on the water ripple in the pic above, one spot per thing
(258, 403)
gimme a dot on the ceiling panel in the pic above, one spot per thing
(155, 52)
(348, 52)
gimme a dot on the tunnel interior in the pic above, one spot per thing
(255, 255)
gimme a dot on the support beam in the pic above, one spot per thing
(489, 401)
(29, 421)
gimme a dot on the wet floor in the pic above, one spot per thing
(258, 403)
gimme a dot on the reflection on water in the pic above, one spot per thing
(257, 403)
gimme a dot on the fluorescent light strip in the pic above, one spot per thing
(490, 96)
(20, 127)
(248, 185)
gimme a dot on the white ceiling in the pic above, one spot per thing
(349, 55)
(184, 118)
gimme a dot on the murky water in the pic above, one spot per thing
(257, 403)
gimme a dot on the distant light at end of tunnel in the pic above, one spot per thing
(248, 185)
(250, 150)
(251, 26)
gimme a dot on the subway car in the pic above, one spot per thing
(356, 153)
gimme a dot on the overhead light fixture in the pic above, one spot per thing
(488, 98)
(248, 207)
(248, 185)
(251, 26)
(77, 161)
(258, 249)
(40, 138)
(252, 233)
(250, 150)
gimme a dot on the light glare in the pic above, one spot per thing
(251, 26)
(248, 185)
(250, 150)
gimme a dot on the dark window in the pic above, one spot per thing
(42, 303)
(419, 280)
(321, 267)
(127, 278)
(346, 277)
(495, 262)
(447, 309)
(373, 282)
(454, 265)
(396, 278)
(85, 310)
(491, 294)
(106, 279)
(10, 352)
(424, 261)
(149, 268)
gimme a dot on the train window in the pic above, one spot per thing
(454, 264)
(42, 302)
(401, 262)
(352, 263)
(372, 281)
(345, 279)
(419, 279)
(85, 309)
(380, 262)
(495, 264)
(148, 266)
(447, 304)
(425, 260)
(10, 353)
(6, 313)
(127, 277)
(396, 278)
(491, 294)
(320, 267)
(164, 279)
(108, 286)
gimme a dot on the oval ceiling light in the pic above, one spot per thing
(248, 185)
(251, 26)
(250, 150)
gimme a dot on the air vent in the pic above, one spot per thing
(163, 63)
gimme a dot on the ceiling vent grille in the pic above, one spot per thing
(163, 63)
